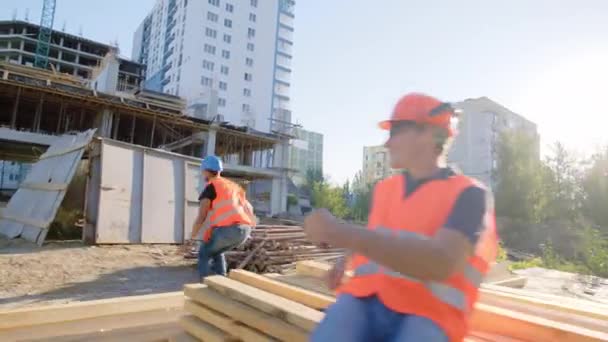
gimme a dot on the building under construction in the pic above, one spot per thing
(144, 136)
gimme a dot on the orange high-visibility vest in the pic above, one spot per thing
(228, 208)
(421, 215)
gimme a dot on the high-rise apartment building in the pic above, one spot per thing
(474, 150)
(305, 154)
(230, 58)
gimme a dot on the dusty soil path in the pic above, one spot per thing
(63, 272)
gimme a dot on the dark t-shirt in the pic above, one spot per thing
(209, 193)
(469, 210)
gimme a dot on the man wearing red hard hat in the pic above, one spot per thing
(430, 240)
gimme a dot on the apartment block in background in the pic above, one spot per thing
(376, 164)
(474, 150)
(305, 153)
(231, 59)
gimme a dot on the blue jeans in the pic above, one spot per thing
(222, 240)
(367, 319)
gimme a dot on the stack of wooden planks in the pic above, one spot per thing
(252, 307)
(276, 249)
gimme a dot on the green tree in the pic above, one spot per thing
(519, 189)
(595, 190)
(324, 195)
(562, 186)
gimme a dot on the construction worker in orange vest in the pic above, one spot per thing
(225, 214)
(430, 240)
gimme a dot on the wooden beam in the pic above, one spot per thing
(96, 308)
(294, 313)
(246, 314)
(495, 320)
(204, 331)
(183, 337)
(44, 186)
(309, 298)
(225, 323)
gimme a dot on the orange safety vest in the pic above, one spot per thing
(228, 208)
(421, 215)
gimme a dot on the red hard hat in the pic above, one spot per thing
(421, 108)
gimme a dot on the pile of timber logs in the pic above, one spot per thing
(275, 249)
(253, 307)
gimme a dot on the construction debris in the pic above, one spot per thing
(276, 249)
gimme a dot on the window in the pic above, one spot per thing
(206, 81)
(229, 8)
(246, 108)
(248, 76)
(223, 85)
(246, 92)
(252, 17)
(214, 2)
(210, 49)
(227, 22)
(254, 3)
(249, 61)
(250, 32)
(208, 65)
(224, 70)
(221, 102)
(227, 38)
(250, 46)
(212, 17)
(210, 33)
(226, 54)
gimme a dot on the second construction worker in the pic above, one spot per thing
(430, 240)
(225, 214)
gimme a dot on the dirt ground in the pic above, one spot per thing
(63, 272)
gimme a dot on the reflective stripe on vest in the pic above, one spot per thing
(445, 293)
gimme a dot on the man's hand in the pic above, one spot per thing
(321, 226)
(335, 274)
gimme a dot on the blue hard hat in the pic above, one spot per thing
(211, 163)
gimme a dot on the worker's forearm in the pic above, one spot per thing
(196, 227)
(417, 258)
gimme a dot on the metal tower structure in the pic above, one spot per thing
(44, 36)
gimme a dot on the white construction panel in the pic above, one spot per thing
(163, 208)
(194, 187)
(34, 206)
(119, 215)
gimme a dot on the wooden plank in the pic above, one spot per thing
(494, 320)
(492, 292)
(139, 324)
(204, 331)
(182, 337)
(312, 268)
(294, 313)
(309, 298)
(225, 323)
(248, 315)
(96, 308)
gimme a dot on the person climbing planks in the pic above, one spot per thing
(430, 240)
(226, 215)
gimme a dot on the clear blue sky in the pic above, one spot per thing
(545, 59)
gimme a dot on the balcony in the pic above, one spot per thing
(280, 89)
(283, 62)
(285, 46)
(286, 33)
(285, 19)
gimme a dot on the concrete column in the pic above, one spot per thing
(278, 194)
(104, 123)
(210, 141)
